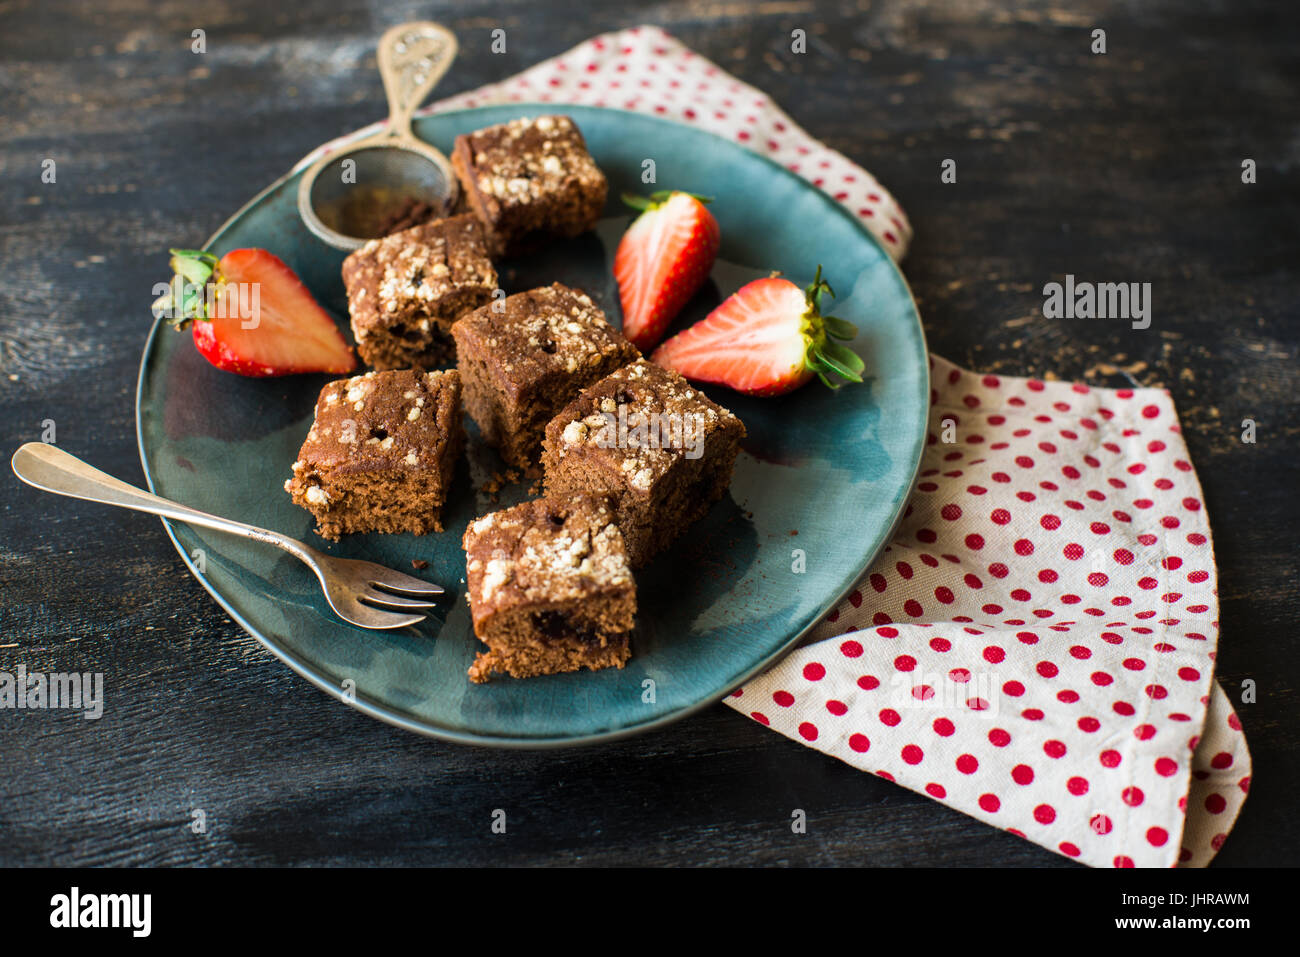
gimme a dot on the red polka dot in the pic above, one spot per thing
(990, 803)
(1157, 836)
(1044, 814)
(967, 764)
(912, 754)
(814, 671)
(1132, 796)
(783, 698)
(944, 727)
(890, 717)
(1022, 774)
(1077, 786)
(1110, 759)
(999, 738)
(808, 730)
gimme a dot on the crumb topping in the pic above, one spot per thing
(545, 550)
(525, 159)
(408, 274)
(395, 420)
(642, 419)
(550, 329)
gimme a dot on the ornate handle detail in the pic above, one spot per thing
(413, 57)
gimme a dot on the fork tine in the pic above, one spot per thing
(379, 599)
(366, 616)
(353, 610)
(396, 581)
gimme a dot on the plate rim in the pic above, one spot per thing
(516, 743)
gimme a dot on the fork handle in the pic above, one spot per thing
(50, 468)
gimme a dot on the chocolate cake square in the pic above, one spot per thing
(381, 453)
(658, 446)
(405, 291)
(528, 180)
(549, 588)
(523, 358)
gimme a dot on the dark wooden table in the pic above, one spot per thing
(1118, 167)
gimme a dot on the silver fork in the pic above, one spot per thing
(361, 593)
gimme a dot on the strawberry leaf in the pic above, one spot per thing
(202, 254)
(185, 300)
(181, 303)
(815, 291)
(812, 358)
(839, 328)
(842, 357)
(640, 203)
(836, 362)
(659, 198)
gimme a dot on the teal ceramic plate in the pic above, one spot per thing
(821, 481)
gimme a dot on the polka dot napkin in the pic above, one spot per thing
(1036, 646)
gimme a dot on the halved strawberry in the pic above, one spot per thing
(251, 315)
(766, 339)
(662, 260)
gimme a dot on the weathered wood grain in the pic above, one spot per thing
(1122, 167)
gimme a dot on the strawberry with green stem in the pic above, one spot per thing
(662, 261)
(768, 338)
(251, 315)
